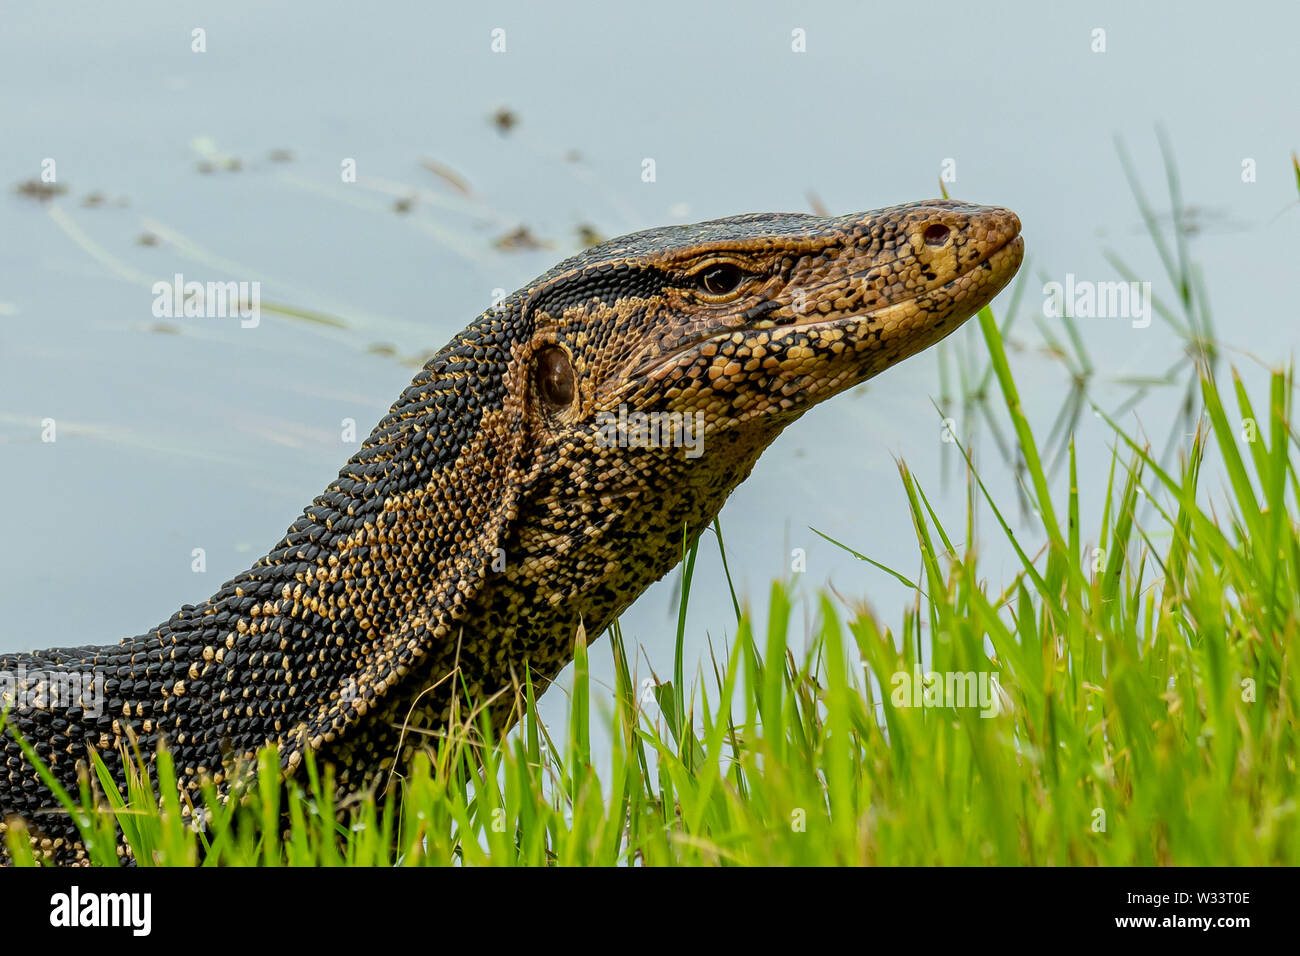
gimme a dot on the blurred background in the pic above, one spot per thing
(491, 141)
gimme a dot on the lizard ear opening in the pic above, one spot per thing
(556, 383)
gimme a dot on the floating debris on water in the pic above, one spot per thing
(505, 119)
(211, 158)
(417, 361)
(521, 238)
(447, 175)
(40, 191)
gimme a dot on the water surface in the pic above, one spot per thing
(184, 434)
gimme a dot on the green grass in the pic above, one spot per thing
(1154, 714)
(1148, 712)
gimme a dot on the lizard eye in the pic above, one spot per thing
(720, 279)
(555, 380)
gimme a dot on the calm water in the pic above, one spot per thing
(189, 433)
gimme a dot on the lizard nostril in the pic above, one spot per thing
(935, 234)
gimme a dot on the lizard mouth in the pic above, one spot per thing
(1001, 263)
(950, 304)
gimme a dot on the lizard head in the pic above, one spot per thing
(754, 319)
(552, 458)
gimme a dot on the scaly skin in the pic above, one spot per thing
(489, 514)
